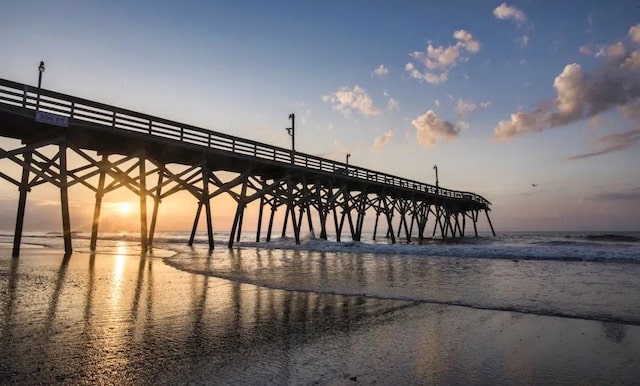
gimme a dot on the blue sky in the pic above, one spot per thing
(498, 95)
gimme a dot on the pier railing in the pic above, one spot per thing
(78, 111)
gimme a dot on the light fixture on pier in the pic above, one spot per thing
(435, 167)
(348, 155)
(40, 71)
(292, 132)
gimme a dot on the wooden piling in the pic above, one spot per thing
(207, 206)
(22, 202)
(156, 207)
(64, 199)
(144, 246)
(98, 204)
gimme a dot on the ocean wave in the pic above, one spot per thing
(613, 238)
(184, 262)
(601, 247)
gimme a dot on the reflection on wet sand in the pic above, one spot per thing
(107, 316)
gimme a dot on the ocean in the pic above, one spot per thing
(324, 312)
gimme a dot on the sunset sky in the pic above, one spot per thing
(499, 95)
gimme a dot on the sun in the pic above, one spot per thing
(124, 208)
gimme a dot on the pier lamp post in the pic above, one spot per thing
(292, 132)
(435, 167)
(40, 71)
(347, 163)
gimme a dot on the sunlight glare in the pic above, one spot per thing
(124, 208)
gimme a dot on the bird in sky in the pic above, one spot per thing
(534, 185)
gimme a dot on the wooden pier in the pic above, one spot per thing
(155, 158)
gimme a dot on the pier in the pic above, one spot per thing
(155, 158)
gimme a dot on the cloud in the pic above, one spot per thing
(631, 111)
(632, 62)
(507, 12)
(579, 95)
(634, 33)
(517, 17)
(347, 100)
(467, 41)
(612, 143)
(465, 107)
(632, 195)
(383, 140)
(438, 60)
(380, 71)
(616, 50)
(430, 127)
(611, 51)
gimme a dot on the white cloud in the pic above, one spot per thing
(430, 127)
(634, 33)
(517, 17)
(631, 110)
(347, 100)
(380, 71)
(467, 41)
(507, 12)
(383, 140)
(611, 51)
(438, 60)
(632, 62)
(610, 143)
(616, 50)
(616, 84)
(465, 107)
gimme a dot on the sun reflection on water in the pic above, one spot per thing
(118, 272)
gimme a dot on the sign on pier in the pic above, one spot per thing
(52, 119)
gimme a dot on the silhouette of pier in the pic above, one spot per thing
(155, 158)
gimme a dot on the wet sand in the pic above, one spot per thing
(118, 318)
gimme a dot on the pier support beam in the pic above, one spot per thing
(486, 212)
(144, 246)
(375, 226)
(98, 205)
(156, 206)
(284, 224)
(239, 211)
(64, 199)
(474, 217)
(258, 228)
(270, 227)
(207, 206)
(195, 224)
(22, 202)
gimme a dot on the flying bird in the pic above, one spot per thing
(534, 185)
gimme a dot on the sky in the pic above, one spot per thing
(501, 96)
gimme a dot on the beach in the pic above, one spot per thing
(118, 317)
